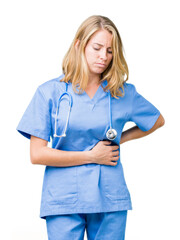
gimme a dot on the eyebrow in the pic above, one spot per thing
(100, 44)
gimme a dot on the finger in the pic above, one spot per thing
(107, 142)
(113, 163)
(115, 154)
(115, 158)
(115, 151)
(115, 147)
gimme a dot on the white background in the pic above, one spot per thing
(35, 36)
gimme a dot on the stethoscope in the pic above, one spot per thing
(111, 134)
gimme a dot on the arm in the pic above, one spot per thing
(135, 132)
(41, 154)
(102, 153)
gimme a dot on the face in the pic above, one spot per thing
(98, 52)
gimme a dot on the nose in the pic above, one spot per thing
(103, 55)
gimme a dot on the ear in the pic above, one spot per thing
(77, 43)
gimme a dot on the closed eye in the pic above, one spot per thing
(96, 49)
(99, 47)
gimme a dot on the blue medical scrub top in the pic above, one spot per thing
(88, 188)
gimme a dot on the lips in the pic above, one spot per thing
(101, 64)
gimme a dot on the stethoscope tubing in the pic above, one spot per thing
(57, 111)
(111, 133)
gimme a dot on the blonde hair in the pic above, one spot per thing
(74, 64)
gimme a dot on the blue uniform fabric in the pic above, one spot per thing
(99, 226)
(88, 188)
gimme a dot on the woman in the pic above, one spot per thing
(84, 111)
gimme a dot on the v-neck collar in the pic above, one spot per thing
(95, 95)
(92, 101)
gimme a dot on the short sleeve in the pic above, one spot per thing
(144, 114)
(36, 118)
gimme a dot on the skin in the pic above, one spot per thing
(98, 56)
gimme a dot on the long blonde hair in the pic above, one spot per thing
(74, 64)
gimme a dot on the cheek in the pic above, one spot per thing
(90, 56)
(109, 60)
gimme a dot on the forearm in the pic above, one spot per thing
(135, 132)
(58, 158)
(132, 133)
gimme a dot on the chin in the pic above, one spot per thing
(99, 71)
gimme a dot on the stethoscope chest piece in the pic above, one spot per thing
(111, 134)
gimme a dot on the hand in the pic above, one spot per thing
(104, 153)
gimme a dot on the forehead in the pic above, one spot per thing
(102, 37)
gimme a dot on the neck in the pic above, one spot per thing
(94, 79)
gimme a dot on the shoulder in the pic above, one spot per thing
(52, 87)
(52, 83)
(129, 89)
